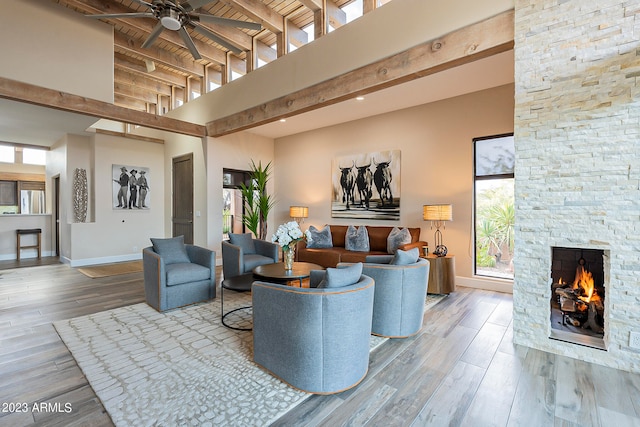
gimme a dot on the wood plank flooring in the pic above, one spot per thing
(461, 370)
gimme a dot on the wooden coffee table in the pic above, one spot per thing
(276, 272)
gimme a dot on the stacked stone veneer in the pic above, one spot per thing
(577, 133)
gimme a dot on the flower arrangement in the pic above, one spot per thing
(288, 234)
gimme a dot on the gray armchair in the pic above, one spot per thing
(315, 339)
(176, 274)
(242, 253)
(400, 292)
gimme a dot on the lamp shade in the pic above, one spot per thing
(437, 213)
(298, 211)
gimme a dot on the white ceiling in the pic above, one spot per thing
(29, 124)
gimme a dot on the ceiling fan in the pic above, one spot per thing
(175, 16)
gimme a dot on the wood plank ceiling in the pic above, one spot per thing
(164, 75)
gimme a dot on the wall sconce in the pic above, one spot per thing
(299, 213)
(437, 214)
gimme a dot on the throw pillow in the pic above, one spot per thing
(171, 250)
(405, 257)
(245, 241)
(357, 239)
(341, 276)
(397, 238)
(320, 239)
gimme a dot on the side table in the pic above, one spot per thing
(442, 274)
(240, 283)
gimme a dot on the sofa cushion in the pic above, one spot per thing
(320, 239)
(405, 257)
(171, 250)
(245, 241)
(397, 237)
(338, 235)
(341, 276)
(181, 272)
(357, 239)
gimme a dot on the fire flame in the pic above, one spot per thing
(584, 280)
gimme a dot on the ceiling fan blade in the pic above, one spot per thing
(189, 42)
(122, 15)
(190, 5)
(211, 19)
(207, 33)
(153, 36)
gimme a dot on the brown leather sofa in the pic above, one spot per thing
(330, 257)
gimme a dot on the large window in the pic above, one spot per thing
(494, 205)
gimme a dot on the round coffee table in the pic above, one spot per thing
(241, 283)
(276, 272)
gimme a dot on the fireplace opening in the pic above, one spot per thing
(577, 296)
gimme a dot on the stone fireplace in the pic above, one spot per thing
(577, 170)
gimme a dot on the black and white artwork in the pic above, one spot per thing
(130, 187)
(366, 186)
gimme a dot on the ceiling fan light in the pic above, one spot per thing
(170, 19)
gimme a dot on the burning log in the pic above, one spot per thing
(592, 322)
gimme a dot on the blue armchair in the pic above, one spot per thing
(400, 293)
(176, 274)
(242, 253)
(314, 339)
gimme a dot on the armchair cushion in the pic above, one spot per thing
(171, 250)
(405, 257)
(245, 241)
(357, 239)
(397, 237)
(179, 273)
(342, 276)
(320, 239)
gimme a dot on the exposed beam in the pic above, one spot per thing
(259, 12)
(24, 92)
(313, 5)
(124, 43)
(141, 81)
(130, 64)
(459, 47)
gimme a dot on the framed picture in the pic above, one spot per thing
(130, 187)
(366, 186)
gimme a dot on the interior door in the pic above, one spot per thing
(56, 195)
(182, 219)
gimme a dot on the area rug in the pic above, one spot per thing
(182, 367)
(107, 270)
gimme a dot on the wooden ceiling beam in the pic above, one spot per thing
(468, 44)
(130, 64)
(135, 92)
(259, 12)
(313, 5)
(124, 43)
(37, 95)
(124, 77)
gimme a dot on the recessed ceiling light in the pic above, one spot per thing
(283, 120)
(360, 98)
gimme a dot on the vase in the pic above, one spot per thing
(289, 255)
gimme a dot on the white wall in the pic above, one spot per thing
(46, 44)
(234, 152)
(437, 162)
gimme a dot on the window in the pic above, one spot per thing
(494, 212)
(32, 156)
(7, 154)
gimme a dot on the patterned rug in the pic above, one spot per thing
(182, 367)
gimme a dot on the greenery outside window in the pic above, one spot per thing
(494, 212)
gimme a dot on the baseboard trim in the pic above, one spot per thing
(24, 255)
(102, 260)
(497, 285)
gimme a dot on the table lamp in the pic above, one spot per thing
(299, 213)
(437, 214)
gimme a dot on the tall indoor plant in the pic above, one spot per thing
(257, 202)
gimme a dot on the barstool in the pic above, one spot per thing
(21, 232)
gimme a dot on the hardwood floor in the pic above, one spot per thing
(461, 370)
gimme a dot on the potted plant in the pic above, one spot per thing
(257, 203)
